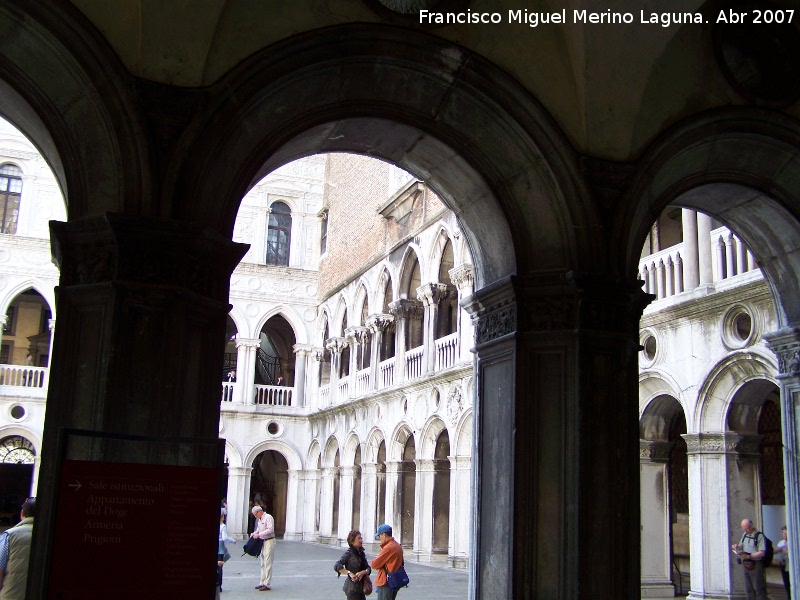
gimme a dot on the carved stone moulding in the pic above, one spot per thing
(654, 451)
(785, 343)
(723, 443)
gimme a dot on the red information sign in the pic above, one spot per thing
(127, 530)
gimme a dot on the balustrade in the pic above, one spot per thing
(662, 272)
(344, 390)
(362, 382)
(228, 389)
(324, 395)
(414, 363)
(273, 395)
(23, 376)
(386, 374)
(446, 351)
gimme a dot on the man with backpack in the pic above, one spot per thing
(752, 552)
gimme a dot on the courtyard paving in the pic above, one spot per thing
(304, 571)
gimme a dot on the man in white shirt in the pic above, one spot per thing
(265, 530)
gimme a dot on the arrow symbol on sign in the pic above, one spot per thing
(76, 485)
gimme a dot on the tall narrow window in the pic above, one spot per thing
(279, 235)
(10, 191)
(323, 242)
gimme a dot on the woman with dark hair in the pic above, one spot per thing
(354, 565)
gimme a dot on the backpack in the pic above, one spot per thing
(253, 546)
(769, 549)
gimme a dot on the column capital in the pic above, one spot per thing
(463, 277)
(723, 443)
(240, 471)
(380, 321)
(393, 466)
(359, 333)
(425, 465)
(652, 451)
(785, 344)
(336, 344)
(242, 342)
(51, 324)
(303, 349)
(3, 321)
(433, 293)
(318, 353)
(405, 308)
(347, 471)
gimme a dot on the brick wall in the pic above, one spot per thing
(356, 187)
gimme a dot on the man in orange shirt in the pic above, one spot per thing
(390, 558)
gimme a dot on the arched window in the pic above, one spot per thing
(10, 192)
(279, 235)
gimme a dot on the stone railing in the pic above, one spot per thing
(386, 374)
(414, 362)
(343, 391)
(446, 351)
(23, 376)
(362, 381)
(324, 395)
(663, 271)
(273, 395)
(228, 389)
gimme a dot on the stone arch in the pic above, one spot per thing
(341, 316)
(332, 446)
(655, 419)
(739, 166)
(349, 449)
(292, 317)
(288, 451)
(394, 449)
(485, 174)
(23, 432)
(437, 250)
(362, 296)
(655, 383)
(411, 255)
(463, 437)
(314, 452)
(724, 380)
(430, 433)
(241, 322)
(372, 444)
(234, 454)
(47, 293)
(85, 116)
(384, 280)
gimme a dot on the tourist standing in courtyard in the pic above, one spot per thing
(15, 552)
(390, 559)
(354, 565)
(782, 556)
(265, 530)
(751, 549)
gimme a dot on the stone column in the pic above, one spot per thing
(302, 352)
(655, 519)
(245, 369)
(378, 325)
(704, 249)
(431, 295)
(723, 489)
(785, 343)
(134, 293)
(460, 500)
(238, 501)
(393, 512)
(403, 310)
(309, 479)
(556, 437)
(335, 345)
(315, 377)
(369, 496)
(295, 500)
(691, 264)
(346, 478)
(423, 510)
(326, 504)
(463, 278)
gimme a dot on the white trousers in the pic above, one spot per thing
(267, 554)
